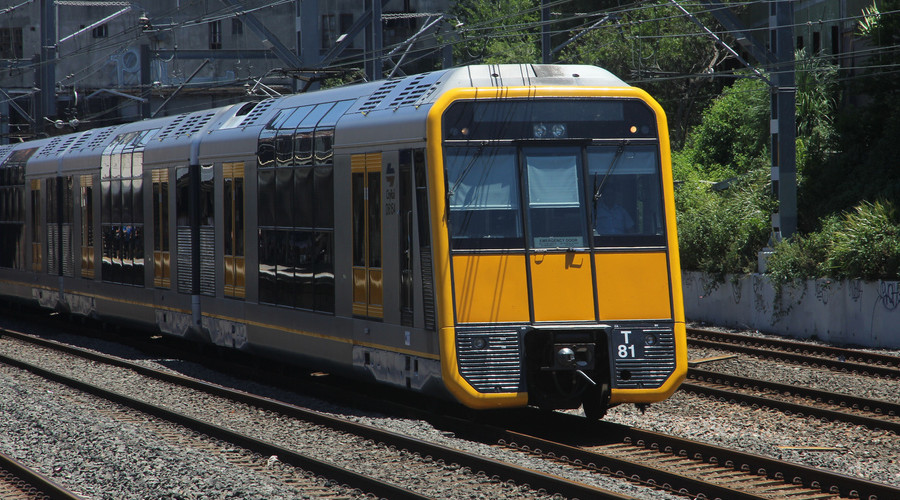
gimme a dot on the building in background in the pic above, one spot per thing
(69, 65)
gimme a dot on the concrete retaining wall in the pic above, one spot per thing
(852, 312)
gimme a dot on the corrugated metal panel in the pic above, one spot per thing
(495, 368)
(68, 258)
(650, 371)
(52, 246)
(183, 242)
(428, 291)
(207, 260)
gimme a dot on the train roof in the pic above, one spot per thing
(392, 109)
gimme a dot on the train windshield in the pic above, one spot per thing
(529, 190)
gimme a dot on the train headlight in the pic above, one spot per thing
(559, 130)
(650, 339)
(554, 130)
(479, 343)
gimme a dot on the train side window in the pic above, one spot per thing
(323, 266)
(303, 146)
(233, 199)
(267, 266)
(87, 226)
(265, 149)
(266, 186)
(162, 264)
(13, 245)
(324, 146)
(284, 197)
(304, 202)
(36, 226)
(324, 196)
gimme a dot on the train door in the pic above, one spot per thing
(37, 254)
(368, 290)
(404, 205)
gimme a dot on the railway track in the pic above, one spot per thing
(835, 358)
(656, 460)
(792, 399)
(20, 482)
(480, 469)
(681, 465)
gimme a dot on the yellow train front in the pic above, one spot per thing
(555, 243)
(503, 235)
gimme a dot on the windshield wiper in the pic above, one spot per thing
(612, 166)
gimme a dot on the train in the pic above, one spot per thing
(499, 235)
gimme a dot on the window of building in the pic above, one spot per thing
(11, 44)
(215, 35)
(237, 27)
(101, 31)
(328, 30)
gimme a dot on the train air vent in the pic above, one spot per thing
(258, 111)
(101, 138)
(5, 151)
(56, 146)
(378, 96)
(82, 140)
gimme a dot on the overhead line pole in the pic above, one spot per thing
(782, 88)
(783, 119)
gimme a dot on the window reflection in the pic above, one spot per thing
(484, 197)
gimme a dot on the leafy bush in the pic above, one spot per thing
(862, 244)
(720, 232)
(867, 245)
(802, 257)
(733, 137)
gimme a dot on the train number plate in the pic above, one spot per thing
(628, 344)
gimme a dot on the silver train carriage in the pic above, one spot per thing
(503, 235)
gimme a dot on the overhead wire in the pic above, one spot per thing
(527, 29)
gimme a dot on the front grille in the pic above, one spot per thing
(495, 367)
(653, 368)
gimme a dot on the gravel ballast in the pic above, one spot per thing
(121, 461)
(301, 437)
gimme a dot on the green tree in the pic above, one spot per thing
(732, 137)
(497, 32)
(864, 166)
(653, 45)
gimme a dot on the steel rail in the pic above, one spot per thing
(322, 468)
(790, 473)
(534, 479)
(798, 352)
(850, 402)
(38, 481)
